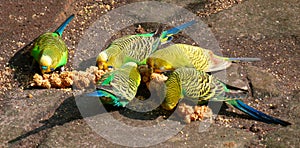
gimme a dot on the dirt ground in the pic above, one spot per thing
(270, 30)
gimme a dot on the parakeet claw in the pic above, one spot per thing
(62, 68)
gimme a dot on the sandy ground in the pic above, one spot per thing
(270, 30)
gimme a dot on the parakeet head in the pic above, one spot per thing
(45, 64)
(168, 105)
(102, 60)
(159, 65)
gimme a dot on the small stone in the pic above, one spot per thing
(30, 96)
(254, 128)
(107, 7)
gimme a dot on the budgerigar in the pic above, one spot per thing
(50, 51)
(183, 55)
(198, 86)
(120, 86)
(135, 48)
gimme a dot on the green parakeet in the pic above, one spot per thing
(198, 86)
(135, 48)
(50, 51)
(120, 86)
(183, 55)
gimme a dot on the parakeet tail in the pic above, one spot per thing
(243, 59)
(62, 27)
(167, 35)
(97, 93)
(115, 101)
(256, 114)
(177, 29)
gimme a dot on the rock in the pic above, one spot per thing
(280, 138)
(287, 136)
(22, 114)
(232, 76)
(262, 82)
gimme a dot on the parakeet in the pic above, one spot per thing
(198, 86)
(50, 51)
(120, 86)
(135, 48)
(183, 55)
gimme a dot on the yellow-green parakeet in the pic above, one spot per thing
(197, 85)
(135, 48)
(120, 86)
(50, 51)
(183, 55)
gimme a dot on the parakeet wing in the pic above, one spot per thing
(193, 85)
(122, 83)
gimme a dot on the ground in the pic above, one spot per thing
(270, 30)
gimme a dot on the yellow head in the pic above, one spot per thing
(159, 65)
(168, 105)
(102, 60)
(45, 64)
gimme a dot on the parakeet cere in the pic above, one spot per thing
(183, 55)
(50, 51)
(198, 86)
(135, 48)
(120, 86)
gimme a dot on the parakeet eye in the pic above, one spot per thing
(110, 66)
(44, 67)
(52, 69)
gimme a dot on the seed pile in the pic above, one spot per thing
(66, 79)
(189, 113)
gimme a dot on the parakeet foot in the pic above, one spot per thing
(61, 69)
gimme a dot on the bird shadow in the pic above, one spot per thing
(220, 108)
(74, 108)
(21, 63)
(69, 110)
(225, 112)
(145, 106)
(65, 113)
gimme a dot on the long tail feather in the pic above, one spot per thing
(115, 101)
(243, 59)
(62, 27)
(97, 94)
(177, 29)
(167, 35)
(257, 114)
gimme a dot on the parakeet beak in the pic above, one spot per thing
(45, 69)
(102, 65)
(102, 61)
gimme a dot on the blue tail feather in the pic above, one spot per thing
(62, 27)
(257, 114)
(175, 30)
(97, 94)
(115, 101)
